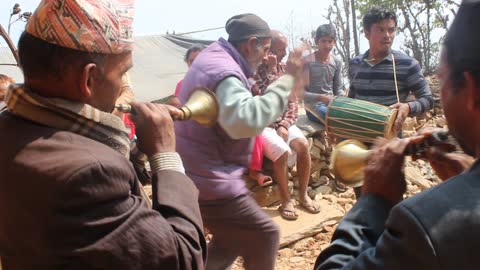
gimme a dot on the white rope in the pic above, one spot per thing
(395, 77)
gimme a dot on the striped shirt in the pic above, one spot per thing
(375, 83)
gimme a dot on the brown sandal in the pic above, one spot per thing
(287, 212)
(310, 208)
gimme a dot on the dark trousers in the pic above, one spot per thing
(240, 228)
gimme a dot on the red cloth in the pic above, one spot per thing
(177, 89)
(256, 162)
(129, 124)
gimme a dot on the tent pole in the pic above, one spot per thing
(10, 44)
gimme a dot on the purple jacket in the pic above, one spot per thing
(213, 160)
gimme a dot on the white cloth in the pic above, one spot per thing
(274, 146)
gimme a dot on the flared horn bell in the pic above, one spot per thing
(202, 107)
(348, 162)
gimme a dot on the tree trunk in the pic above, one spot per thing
(354, 25)
(428, 51)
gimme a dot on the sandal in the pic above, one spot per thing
(288, 212)
(262, 179)
(339, 186)
(310, 207)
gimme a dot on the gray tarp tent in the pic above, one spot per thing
(158, 64)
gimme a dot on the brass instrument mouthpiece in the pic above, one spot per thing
(125, 108)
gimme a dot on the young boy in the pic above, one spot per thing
(323, 73)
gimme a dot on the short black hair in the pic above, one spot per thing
(192, 49)
(325, 30)
(461, 46)
(377, 14)
(457, 68)
(39, 58)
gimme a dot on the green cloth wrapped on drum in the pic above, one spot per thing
(360, 120)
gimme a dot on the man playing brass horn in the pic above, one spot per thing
(438, 228)
(69, 197)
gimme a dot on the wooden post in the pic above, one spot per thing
(10, 44)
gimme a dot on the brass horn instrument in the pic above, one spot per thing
(349, 158)
(201, 106)
(348, 161)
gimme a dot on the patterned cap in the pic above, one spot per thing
(98, 26)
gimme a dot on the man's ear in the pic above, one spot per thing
(367, 34)
(472, 86)
(88, 80)
(251, 44)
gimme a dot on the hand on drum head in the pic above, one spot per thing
(403, 111)
(325, 99)
(384, 171)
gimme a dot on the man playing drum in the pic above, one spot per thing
(384, 76)
(437, 228)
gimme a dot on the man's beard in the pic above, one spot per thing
(254, 65)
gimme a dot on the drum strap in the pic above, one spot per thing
(395, 77)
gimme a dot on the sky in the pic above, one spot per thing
(158, 17)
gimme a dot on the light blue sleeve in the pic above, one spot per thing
(243, 115)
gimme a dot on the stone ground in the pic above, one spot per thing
(302, 240)
(300, 250)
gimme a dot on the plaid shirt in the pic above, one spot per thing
(263, 78)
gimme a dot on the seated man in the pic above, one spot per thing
(283, 142)
(69, 197)
(323, 73)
